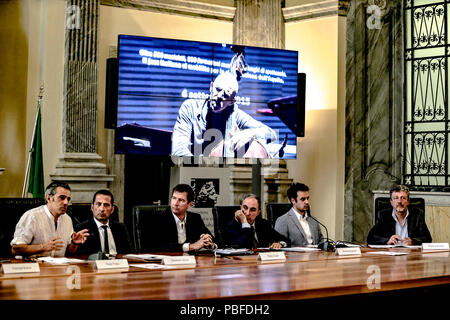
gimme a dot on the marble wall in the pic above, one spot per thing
(373, 111)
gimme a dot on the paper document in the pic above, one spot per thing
(387, 253)
(388, 246)
(152, 266)
(146, 257)
(232, 252)
(61, 260)
(299, 249)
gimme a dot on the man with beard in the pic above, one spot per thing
(47, 230)
(217, 127)
(400, 225)
(296, 224)
(106, 235)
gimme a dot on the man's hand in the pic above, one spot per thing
(275, 245)
(407, 241)
(394, 239)
(240, 138)
(54, 244)
(240, 216)
(80, 236)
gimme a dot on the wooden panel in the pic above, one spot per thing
(301, 276)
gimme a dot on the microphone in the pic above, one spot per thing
(325, 245)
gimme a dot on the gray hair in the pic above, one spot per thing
(251, 195)
(51, 188)
(399, 188)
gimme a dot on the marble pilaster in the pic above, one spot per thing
(80, 165)
(373, 112)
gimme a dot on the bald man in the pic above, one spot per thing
(217, 127)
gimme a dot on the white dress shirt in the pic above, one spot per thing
(401, 230)
(181, 231)
(111, 243)
(37, 226)
(305, 225)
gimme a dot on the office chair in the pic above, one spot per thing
(142, 218)
(222, 215)
(382, 203)
(11, 209)
(275, 210)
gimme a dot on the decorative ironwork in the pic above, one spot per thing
(426, 126)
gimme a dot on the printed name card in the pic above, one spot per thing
(111, 264)
(435, 246)
(269, 256)
(179, 260)
(11, 268)
(352, 251)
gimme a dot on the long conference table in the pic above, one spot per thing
(302, 276)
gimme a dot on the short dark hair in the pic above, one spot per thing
(105, 193)
(182, 187)
(294, 188)
(50, 190)
(251, 195)
(399, 188)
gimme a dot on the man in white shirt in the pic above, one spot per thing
(296, 224)
(47, 230)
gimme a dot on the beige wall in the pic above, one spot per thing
(13, 95)
(320, 154)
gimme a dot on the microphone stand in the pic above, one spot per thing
(326, 245)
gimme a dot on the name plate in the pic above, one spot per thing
(179, 260)
(435, 246)
(11, 268)
(352, 251)
(111, 264)
(268, 256)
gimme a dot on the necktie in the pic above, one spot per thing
(255, 242)
(106, 243)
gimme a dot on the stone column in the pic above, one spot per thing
(374, 103)
(260, 23)
(80, 165)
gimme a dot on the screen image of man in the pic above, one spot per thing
(217, 127)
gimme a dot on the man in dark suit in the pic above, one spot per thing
(105, 234)
(177, 229)
(400, 225)
(249, 230)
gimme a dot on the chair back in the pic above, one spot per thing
(11, 209)
(80, 212)
(382, 203)
(275, 210)
(222, 215)
(142, 219)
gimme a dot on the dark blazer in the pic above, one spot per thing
(162, 235)
(385, 227)
(93, 245)
(238, 237)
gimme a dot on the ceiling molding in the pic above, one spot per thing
(182, 7)
(312, 11)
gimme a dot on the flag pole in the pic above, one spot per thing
(41, 91)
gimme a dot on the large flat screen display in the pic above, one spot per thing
(189, 98)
